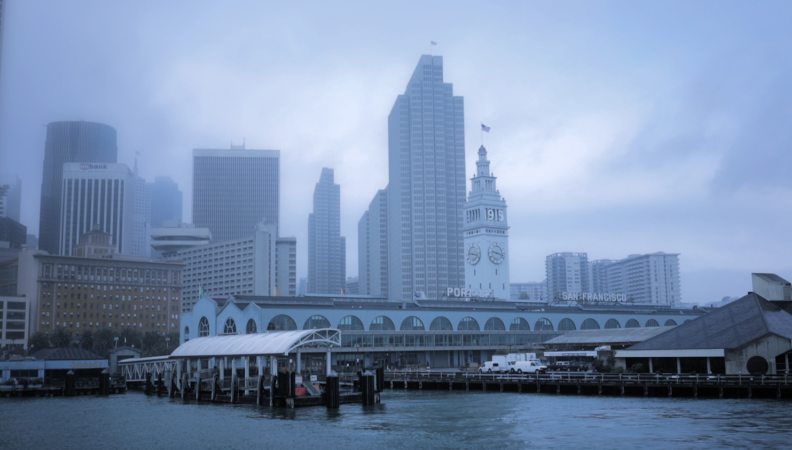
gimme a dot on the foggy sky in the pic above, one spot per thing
(617, 127)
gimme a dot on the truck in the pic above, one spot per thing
(499, 364)
(526, 367)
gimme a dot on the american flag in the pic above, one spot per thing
(485, 128)
(433, 42)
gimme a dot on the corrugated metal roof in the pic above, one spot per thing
(65, 354)
(614, 335)
(258, 344)
(732, 326)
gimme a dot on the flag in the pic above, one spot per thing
(433, 42)
(485, 128)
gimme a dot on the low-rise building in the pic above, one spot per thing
(14, 322)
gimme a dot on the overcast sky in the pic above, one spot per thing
(617, 127)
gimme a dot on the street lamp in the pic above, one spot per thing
(167, 341)
(116, 341)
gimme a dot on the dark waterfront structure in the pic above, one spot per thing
(326, 246)
(233, 190)
(68, 142)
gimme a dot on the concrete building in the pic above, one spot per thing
(99, 291)
(302, 288)
(246, 266)
(103, 194)
(11, 196)
(535, 291)
(234, 190)
(326, 246)
(68, 142)
(599, 277)
(12, 233)
(651, 278)
(32, 241)
(353, 286)
(441, 334)
(426, 186)
(173, 236)
(567, 272)
(95, 243)
(486, 231)
(141, 217)
(166, 201)
(373, 247)
(15, 321)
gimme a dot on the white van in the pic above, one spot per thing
(526, 367)
(493, 367)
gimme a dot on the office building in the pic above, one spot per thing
(12, 233)
(245, 266)
(166, 201)
(11, 198)
(567, 272)
(302, 288)
(326, 246)
(234, 190)
(141, 217)
(68, 142)
(286, 266)
(426, 191)
(172, 236)
(652, 278)
(14, 321)
(599, 278)
(373, 247)
(352, 286)
(32, 241)
(533, 291)
(102, 194)
(486, 236)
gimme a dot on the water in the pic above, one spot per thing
(406, 419)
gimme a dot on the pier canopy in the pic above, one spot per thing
(258, 344)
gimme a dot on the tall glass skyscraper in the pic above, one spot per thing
(326, 246)
(426, 192)
(234, 190)
(68, 142)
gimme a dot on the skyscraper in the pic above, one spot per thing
(11, 197)
(426, 192)
(326, 246)
(68, 142)
(166, 201)
(2, 27)
(373, 247)
(567, 272)
(234, 190)
(651, 278)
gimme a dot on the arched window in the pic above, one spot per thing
(441, 324)
(203, 327)
(229, 327)
(281, 322)
(670, 323)
(632, 323)
(543, 324)
(316, 321)
(590, 324)
(382, 323)
(612, 323)
(519, 324)
(566, 325)
(350, 323)
(468, 324)
(412, 323)
(251, 327)
(651, 323)
(494, 324)
(186, 334)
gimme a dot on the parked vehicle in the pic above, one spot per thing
(493, 367)
(526, 367)
(568, 366)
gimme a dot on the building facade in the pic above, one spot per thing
(15, 321)
(486, 232)
(102, 194)
(534, 291)
(567, 272)
(12, 233)
(173, 236)
(166, 201)
(652, 278)
(599, 276)
(68, 142)
(286, 266)
(246, 266)
(234, 190)
(426, 190)
(326, 246)
(11, 198)
(373, 247)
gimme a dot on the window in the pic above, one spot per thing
(632, 323)
(441, 324)
(251, 327)
(612, 323)
(350, 323)
(316, 321)
(566, 325)
(229, 327)
(382, 323)
(412, 323)
(281, 322)
(590, 324)
(544, 324)
(519, 324)
(652, 323)
(494, 324)
(670, 323)
(468, 324)
(203, 327)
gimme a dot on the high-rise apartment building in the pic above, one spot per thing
(11, 197)
(166, 201)
(234, 190)
(68, 142)
(286, 266)
(426, 191)
(532, 291)
(651, 278)
(599, 276)
(373, 247)
(326, 246)
(567, 272)
(106, 195)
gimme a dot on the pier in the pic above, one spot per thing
(587, 383)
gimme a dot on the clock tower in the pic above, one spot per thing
(486, 234)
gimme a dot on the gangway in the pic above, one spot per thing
(135, 369)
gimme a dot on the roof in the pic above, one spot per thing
(608, 336)
(732, 326)
(65, 354)
(258, 344)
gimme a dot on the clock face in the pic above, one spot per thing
(473, 254)
(496, 253)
